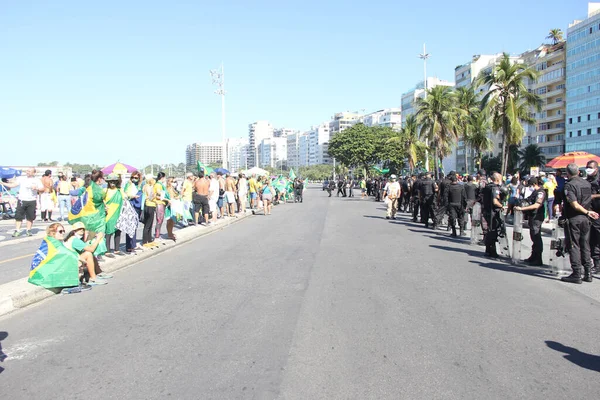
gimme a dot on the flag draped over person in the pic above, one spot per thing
(89, 209)
(113, 211)
(53, 265)
(292, 175)
(202, 167)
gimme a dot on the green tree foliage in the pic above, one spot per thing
(508, 101)
(467, 106)
(315, 172)
(491, 164)
(478, 138)
(556, 35)
(531, 156)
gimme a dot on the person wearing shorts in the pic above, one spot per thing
(29, 186)
(200, 199)
(253, 186)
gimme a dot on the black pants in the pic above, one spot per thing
(428, 210)
(491, 236)
(456, 213)
(577, 234)
(350, 190)
(415, 208)
(595, 241)
(340, 190)
(148, 221)
(298, 196)
(535, 233)
(117, 240)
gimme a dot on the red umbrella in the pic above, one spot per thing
(118, 168)
(580, 158)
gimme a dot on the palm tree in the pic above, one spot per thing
(437, 115)
(556, 35)
(531, 156)
(478, 136)
(508, 101)
(408, 138)
(467, 105)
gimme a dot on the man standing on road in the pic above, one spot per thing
(456, 202)
(592, 177)
(230, 195)
(331, 187)
(415, 197)
(29, 186)
(187, 193)
(536, 218)
(577, 204)
(492, 206)
(391, 193)
(253, 189)
(428, 189)
(201, 207)
(471, 192)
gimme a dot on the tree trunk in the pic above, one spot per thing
(504, 147)
(466, 158)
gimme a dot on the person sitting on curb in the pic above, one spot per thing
(74, 241)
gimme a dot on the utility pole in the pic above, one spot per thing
(218, 79)
(424, 56)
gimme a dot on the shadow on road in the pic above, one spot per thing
(374, 216)
(584, 360)
(515, 269)
(472, 253)
(3, 335)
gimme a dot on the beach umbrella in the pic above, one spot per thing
(256, 171)
(9, 173)
(118, 168)
(580, 158)
(223, 171)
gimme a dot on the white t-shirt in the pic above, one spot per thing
(214, 187)
(392, 188)
(26, 188)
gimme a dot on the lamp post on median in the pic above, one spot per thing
(424, 56)
(218, 79)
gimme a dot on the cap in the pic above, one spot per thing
(112, 177)
(532, 181)
(393, 176)
(542, 173)
(77, 226)
(189, 175)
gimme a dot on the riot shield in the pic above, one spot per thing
(517, 237)
(476, 230)
(502, 239)
(559, 260)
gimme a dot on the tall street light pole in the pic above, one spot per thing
(218, 79)
(424, 56)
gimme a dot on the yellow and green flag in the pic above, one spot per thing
(54, 266)
(113, 210)
(89, 209)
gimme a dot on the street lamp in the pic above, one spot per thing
(424, 56)
(218, 79)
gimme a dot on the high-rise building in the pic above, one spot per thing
(257, 131)
(318, 144)
(548, 132)
(583, 83)
(282, 132)
(303, 150)
(409, 98)
(390, 117)
(341, 121)
(237, 154)
(206, 153)
(272, 152)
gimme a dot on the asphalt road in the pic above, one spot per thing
(320, 300)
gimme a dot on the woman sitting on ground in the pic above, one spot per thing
(75, 241)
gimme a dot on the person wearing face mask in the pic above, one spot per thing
(592, 178)
(133, 192)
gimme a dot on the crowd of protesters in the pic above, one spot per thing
(102, 208)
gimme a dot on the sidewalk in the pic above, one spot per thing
(20, 293)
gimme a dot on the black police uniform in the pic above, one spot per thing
(471, 192)
(428, 189)
(536, 218)
(577, 233)
(340, 188)
(595, 230)
(491, 216)
(416, 190)
(442, 208)
(456, 200)
(406, 205)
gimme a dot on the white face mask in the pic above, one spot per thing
(79, 234)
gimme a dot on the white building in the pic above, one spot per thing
(341, 121)
(272, 152)
(293, 157)
(303, 150)
(318, 144)
(390, 117)
(257, 131)
(206, 153)
(409, 98)
(283, 132)
(237, 154)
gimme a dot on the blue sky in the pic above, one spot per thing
(96, 82)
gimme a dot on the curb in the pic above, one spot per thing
(20, 293)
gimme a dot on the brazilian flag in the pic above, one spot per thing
(89, 209)
(54, 266)
(113, 210)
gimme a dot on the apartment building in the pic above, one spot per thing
(206, 153)
(341, 121)
(390, 117)
(272, 152)
(548, 132)
(318, 138)
(257, 131)
(237, 154)
(583, 83)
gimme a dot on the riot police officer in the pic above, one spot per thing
(492, 207)
(456, 202)
(535, 220)
(592, 177)
(428, 189)
(416, 191)
(471, 192)
(577, 204)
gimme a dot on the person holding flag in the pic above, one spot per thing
(89, 208)
(113, 200)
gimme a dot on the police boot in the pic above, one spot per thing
(462, 231)
(575, 277)
(596, 267)
(454, 231)
(587, 274)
